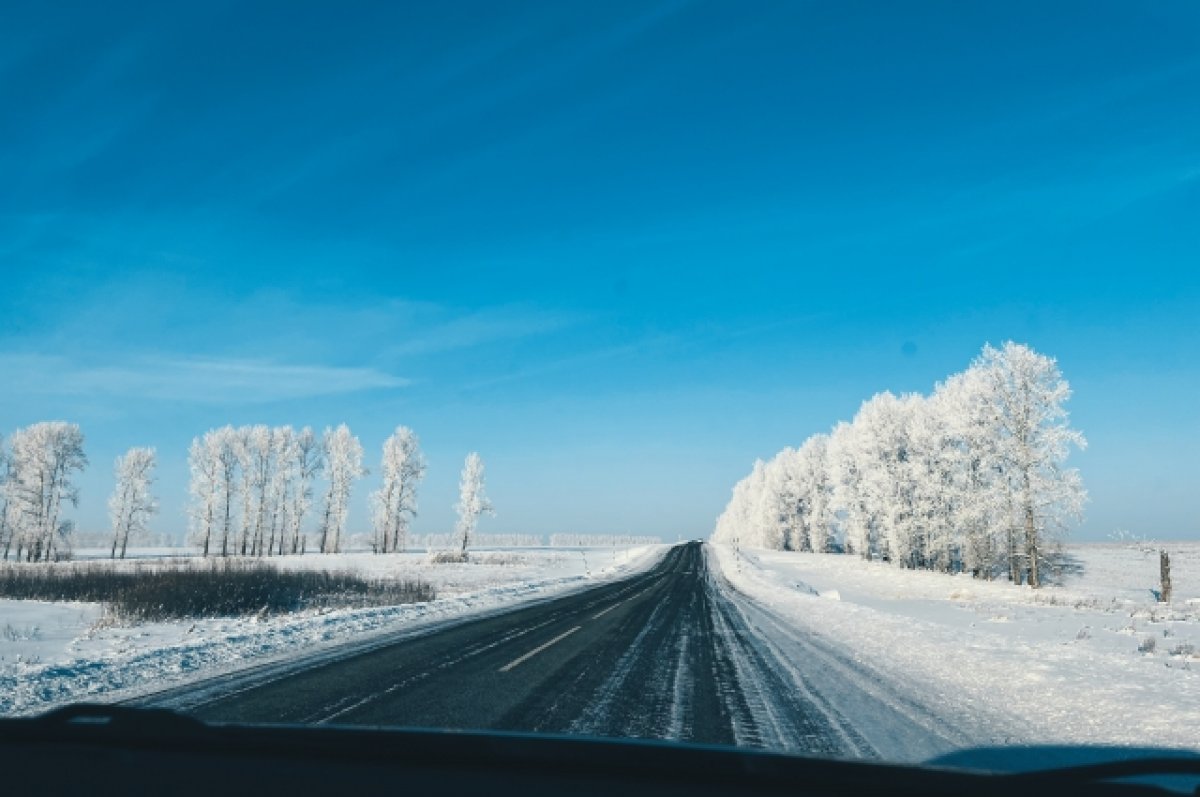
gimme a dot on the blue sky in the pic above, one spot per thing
(621, 249)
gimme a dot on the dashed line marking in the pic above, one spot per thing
(598, 615)
(619, 603)
(521, 659)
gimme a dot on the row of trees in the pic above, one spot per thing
(971, 477)
(252, 489)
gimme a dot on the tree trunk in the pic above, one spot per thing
(325, 527)
(1164, 577)
(228, 528)
(1032, 548)
(1014, 561)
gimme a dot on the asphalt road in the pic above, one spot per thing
(666, 654)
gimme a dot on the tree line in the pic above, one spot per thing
(972, 477)
(252, 491)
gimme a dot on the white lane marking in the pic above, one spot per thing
(620, 603)
(538, 649)
(598, 615)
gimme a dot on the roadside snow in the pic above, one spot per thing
(1095, 661)
(53, 653)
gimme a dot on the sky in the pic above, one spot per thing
(620, 249)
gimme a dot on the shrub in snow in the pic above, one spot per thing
(1148, 645)
(226, 588)
(449, 558)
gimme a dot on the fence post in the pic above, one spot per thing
(1164, 576)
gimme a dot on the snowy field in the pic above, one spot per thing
(52, 653)
(1094, 660)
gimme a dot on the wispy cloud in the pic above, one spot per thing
(143, 336)
(198, 380)
(148, 312)
(476, 329)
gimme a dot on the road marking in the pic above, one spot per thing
(620, 603)
(598, 615)
(538, 649)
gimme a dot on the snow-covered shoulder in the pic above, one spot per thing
(1080, 664)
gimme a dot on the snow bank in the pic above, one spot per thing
(1093, 661)
(53, 653)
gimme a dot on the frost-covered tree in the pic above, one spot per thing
(131, 503)
(977, 509)
(788, 499)
(256, 460)
(849, 495)
(44, 458)
(934, 487)
(213, 464)
(343, 458)
(225, 446)
(307, 461)
(733, 524)
(814, 477)
(471, 500)
(204, 489)
(884, 448)
(280, 481)
(395, 502)
(1026, 396)
(7, 505)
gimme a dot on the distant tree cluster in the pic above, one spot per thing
(971, 478)
(252, 487)
(568, 540)
(447, 541)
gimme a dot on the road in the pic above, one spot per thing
(667, 654)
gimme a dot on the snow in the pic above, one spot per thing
(1000, 664)
(53, 652)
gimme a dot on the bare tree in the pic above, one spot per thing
(131, 503)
